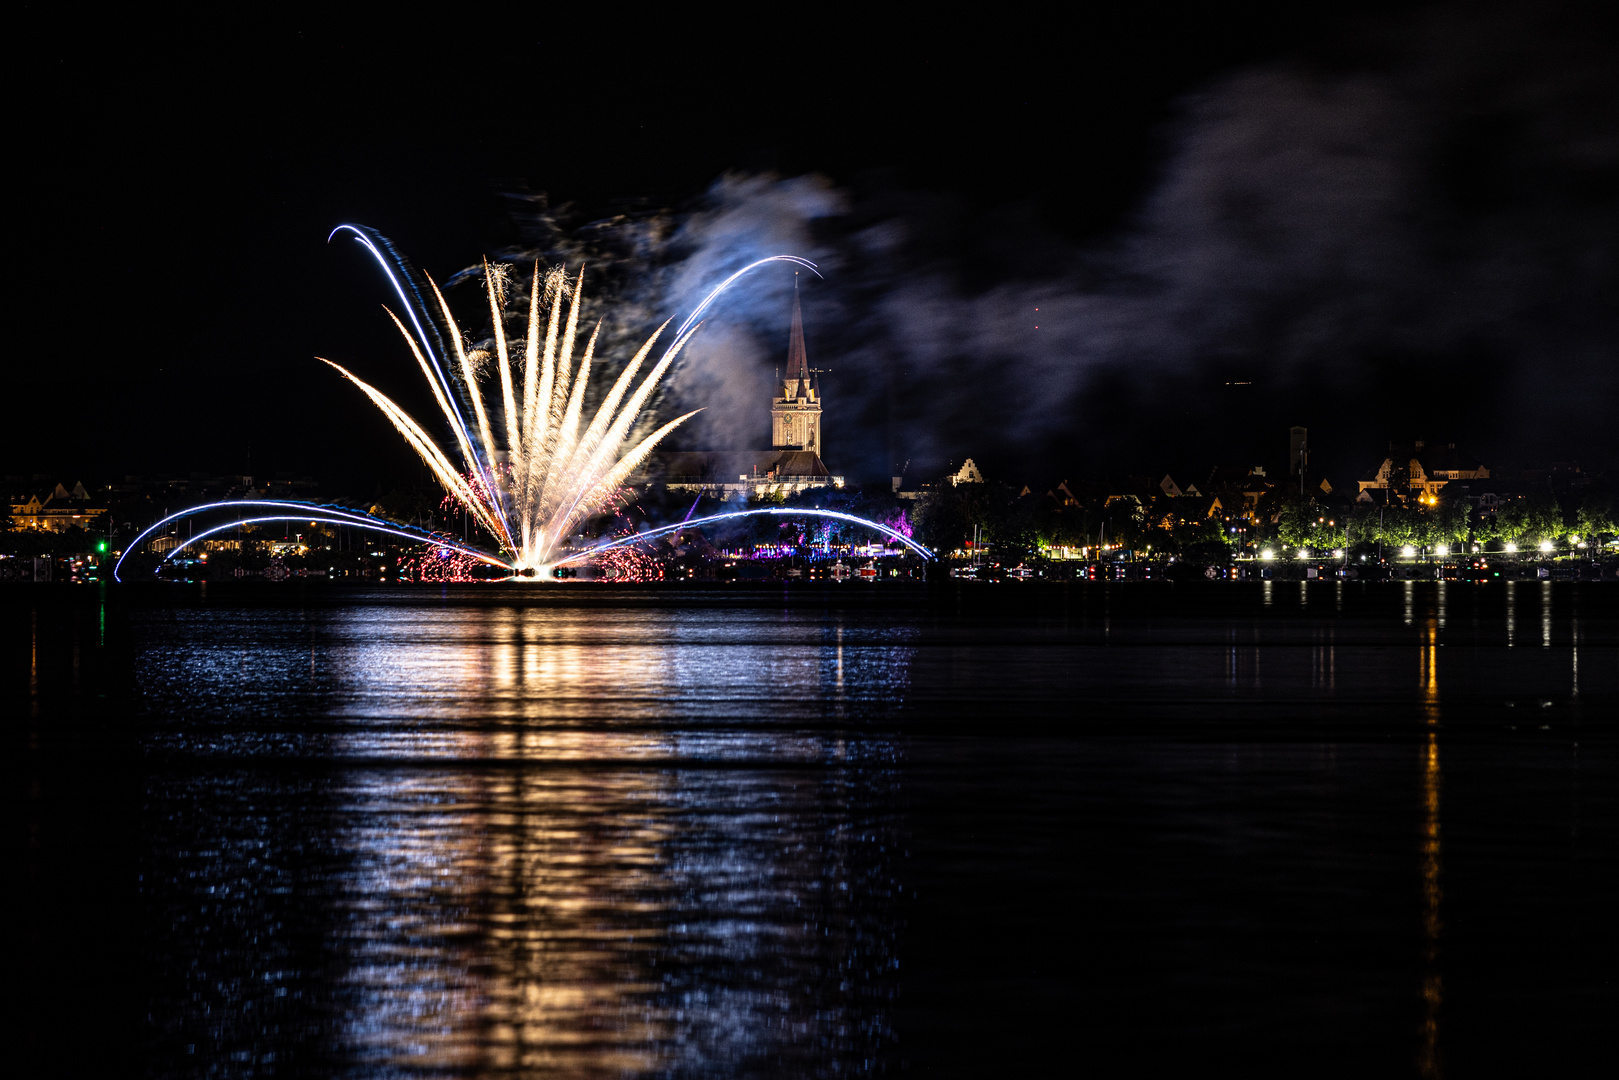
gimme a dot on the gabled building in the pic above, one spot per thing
(59, 511)
(1419, 472)
(25, 515)
(1255, 486)
(1168, 486)
(967, 474)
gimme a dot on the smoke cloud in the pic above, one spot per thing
(1415, 237)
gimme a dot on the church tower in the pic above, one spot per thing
(795, 416)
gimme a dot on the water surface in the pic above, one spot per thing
(1334, 828)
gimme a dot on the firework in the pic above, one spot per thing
(535, 476)
(525, 465)
(438, 565)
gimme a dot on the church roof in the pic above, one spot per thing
(729, 466)
(792, 463)
(797, 356)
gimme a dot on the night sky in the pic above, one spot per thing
(1395, 224)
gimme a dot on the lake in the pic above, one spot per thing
(1325, 828)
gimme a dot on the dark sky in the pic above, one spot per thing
(180, 179)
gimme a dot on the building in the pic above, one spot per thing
(795, 417)
(1175, 512)
(1168, 486)
(1255, 486)
(792, 465)
(60, 511)
(967, 474)
(729, 474)
(1419, 472)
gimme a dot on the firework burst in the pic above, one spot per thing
(532, 467)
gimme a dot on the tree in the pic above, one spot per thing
(1126, 523)
(417, 506)
(1545, 517)
(1362, 527)
(946, 514)
(1205, 541)
(1399, 527)
(1451, 519)
(1533, 519)
(1062, 526)
(1399, 480)
(1296, 523)
(1018, 533)
(1598, 518)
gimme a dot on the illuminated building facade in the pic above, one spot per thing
(60, 511)
(967, 474)
(792, 465)
(795, 416)
(1425, 472)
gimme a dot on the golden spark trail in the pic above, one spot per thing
(548, 478)
(507, 397)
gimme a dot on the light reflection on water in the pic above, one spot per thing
(607, 921)
(387, 838)
(621, 880)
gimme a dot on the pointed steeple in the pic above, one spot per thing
(795, 413)
(797, 358)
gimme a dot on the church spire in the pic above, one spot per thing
(795, 416)
(797, 357)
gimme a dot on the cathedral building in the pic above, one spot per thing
(792, 464)
(795, 417)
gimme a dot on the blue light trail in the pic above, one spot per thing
(452, 545)
(312, 512)
(836, 515)
(330, 515)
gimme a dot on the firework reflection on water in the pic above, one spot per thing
(459, 863)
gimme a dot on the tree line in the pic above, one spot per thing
(1015, 525)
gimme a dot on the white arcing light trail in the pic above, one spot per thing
(533, 478)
